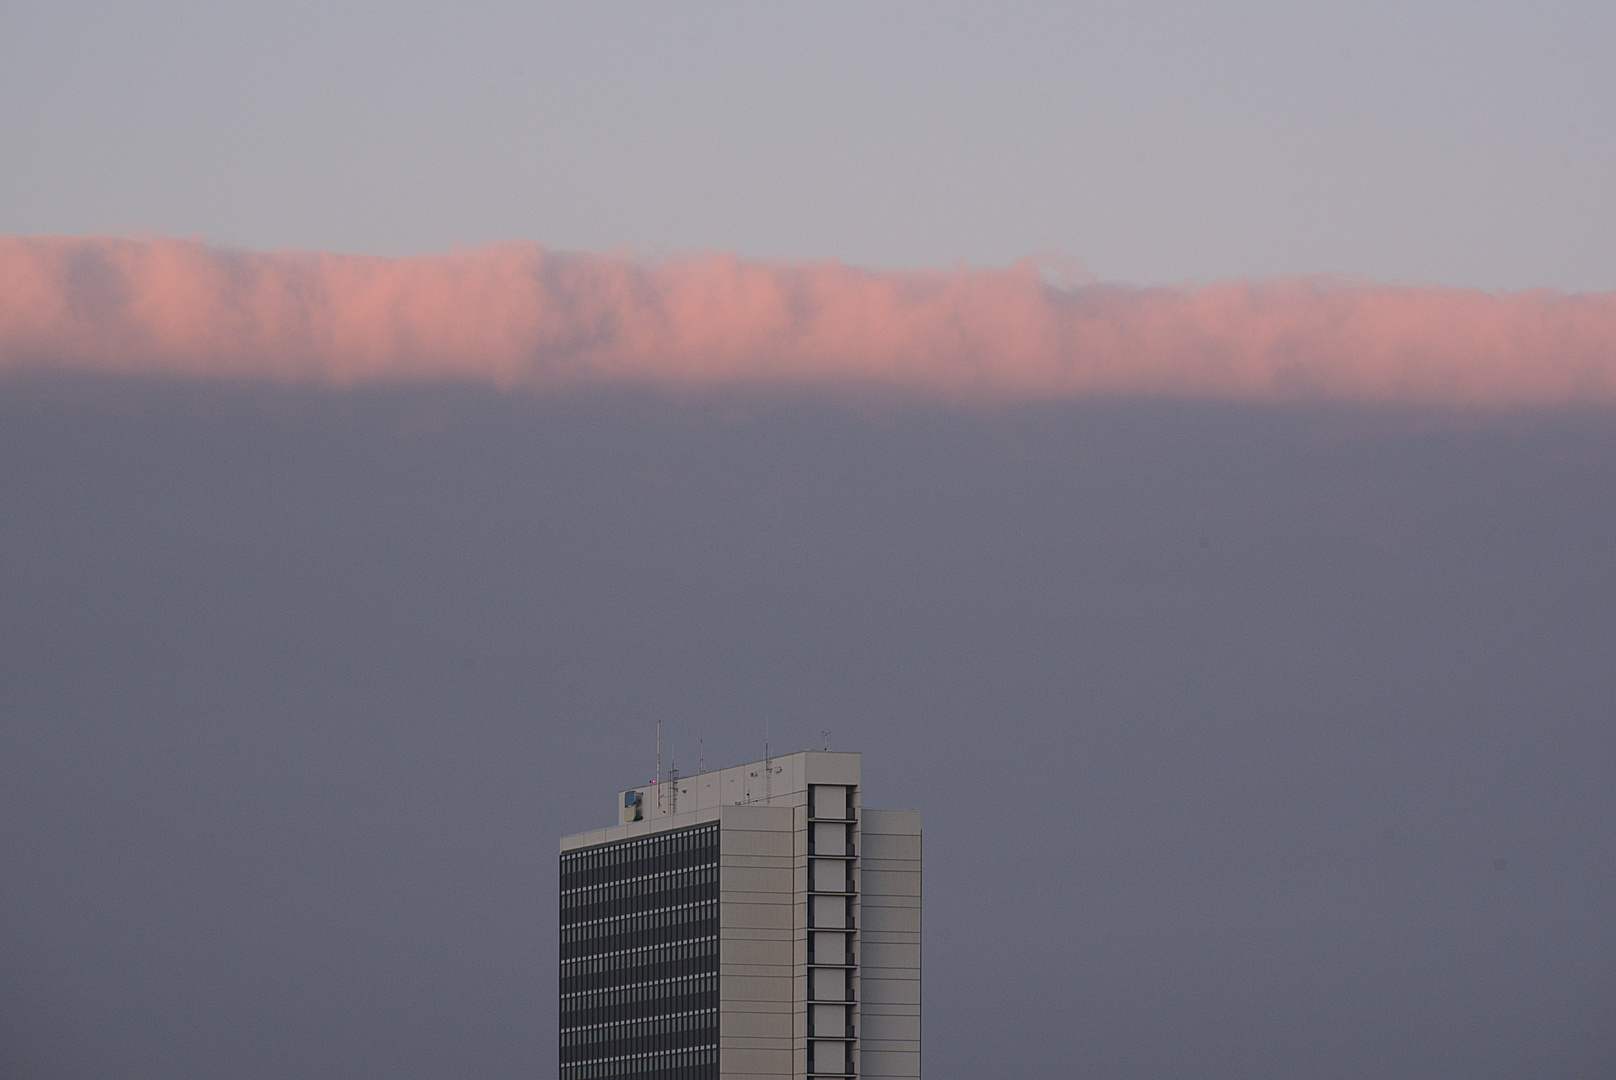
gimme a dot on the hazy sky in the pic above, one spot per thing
(1463, 143)
(1252, 741)
(416, 404)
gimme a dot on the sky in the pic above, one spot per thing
(1174, 442)
(1464, 144)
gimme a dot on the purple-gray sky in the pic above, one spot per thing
(1253, 740)
(1153, 141)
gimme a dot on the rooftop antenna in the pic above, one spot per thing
(701, 750)
(827, 739)
(659, 764)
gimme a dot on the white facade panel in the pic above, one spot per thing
(889, 845)
(883, 1064)
(828, 912)
(890, 953)
(827, 1056)
(754, 1063)
(890, 882)
(829, 1020)
(891, 956)
(882, 915)
(889, 991)
(893, 1027)
(830, 801)
(830, 947)
(828, 875)
(829, 837)
(827, 984)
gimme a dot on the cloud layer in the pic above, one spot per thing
(517, 315)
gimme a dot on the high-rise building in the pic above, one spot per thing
(752, 922)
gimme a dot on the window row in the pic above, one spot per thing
(649, 921)
(578, 882)
(649, 1044)
(641, 939)
(673, 969)
(628, 995)
(645, 847)
(693, 1060)
(676, 879)
(639, 905)
(681, 950)
(706, 1019)
(590, 991)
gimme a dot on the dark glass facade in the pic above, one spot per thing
(639, 958)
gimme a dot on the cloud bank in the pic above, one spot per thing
(517, 315)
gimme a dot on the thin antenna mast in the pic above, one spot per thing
(659, 764)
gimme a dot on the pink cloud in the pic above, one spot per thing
(516, 315)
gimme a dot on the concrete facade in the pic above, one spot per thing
(817, 930)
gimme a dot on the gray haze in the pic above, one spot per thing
(1154, 141)
(1252, 742)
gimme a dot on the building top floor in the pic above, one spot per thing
(784, 781)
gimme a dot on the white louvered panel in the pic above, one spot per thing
(830, 801)
(830, 838)
(829, 912)
(828, 875)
